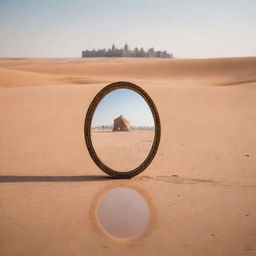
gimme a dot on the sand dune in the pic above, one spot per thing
(10, 78)
(200, 188)
(219, 71)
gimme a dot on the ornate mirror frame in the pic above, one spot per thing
(87, 129)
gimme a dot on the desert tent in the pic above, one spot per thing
(121, 124)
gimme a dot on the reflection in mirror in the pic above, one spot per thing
(122, 130)
(123, 213)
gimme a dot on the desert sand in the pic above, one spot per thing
(200, 188)
(122, 151)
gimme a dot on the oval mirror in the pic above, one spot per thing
(122, 129)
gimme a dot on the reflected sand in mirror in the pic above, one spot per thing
(123, 213)
(122, 130)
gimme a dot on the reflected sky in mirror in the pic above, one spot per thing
(123, 102)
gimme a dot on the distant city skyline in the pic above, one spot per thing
(123, 102)
(188, 29)
(126, 51)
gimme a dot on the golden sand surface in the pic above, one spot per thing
(200, 188)
(122, 151)
(218, 71)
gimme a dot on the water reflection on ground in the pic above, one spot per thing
(123, 213)
(151, 215)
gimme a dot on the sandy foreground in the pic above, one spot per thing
(200, 188)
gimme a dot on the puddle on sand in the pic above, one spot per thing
(123, 213)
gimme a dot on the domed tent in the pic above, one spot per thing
(121, 124)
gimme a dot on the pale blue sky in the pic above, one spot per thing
(188, 28)
(126, 102)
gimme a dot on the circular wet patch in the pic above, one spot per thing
(123, 213)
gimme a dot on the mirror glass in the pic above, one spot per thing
(122, 130)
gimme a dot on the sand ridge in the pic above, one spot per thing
(219, 71)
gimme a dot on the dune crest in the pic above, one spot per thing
(219, 71)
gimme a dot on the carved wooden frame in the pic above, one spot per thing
(87, 129)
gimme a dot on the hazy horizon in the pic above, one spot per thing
(188, 29)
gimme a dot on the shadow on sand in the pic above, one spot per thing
(86, 178)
